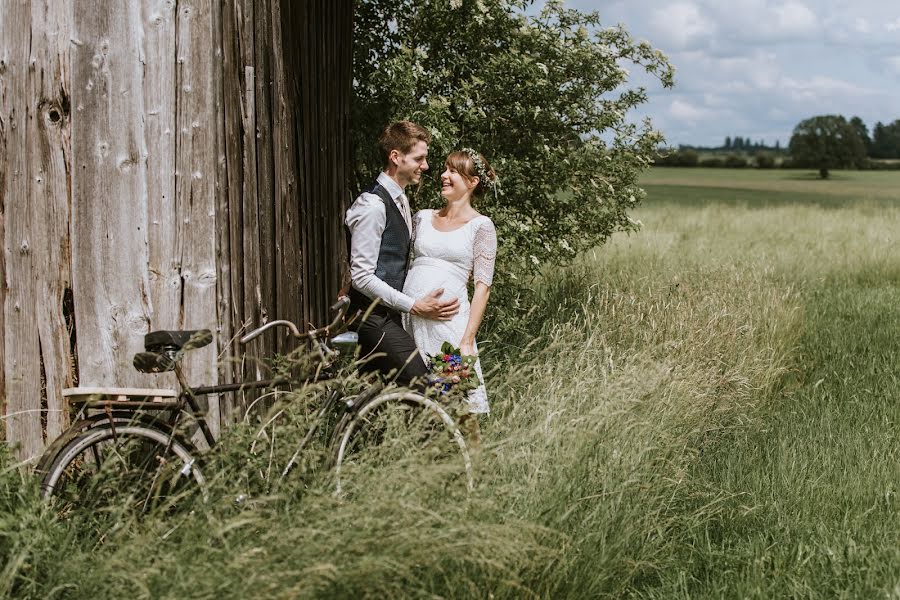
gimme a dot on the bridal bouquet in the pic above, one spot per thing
(451, 370)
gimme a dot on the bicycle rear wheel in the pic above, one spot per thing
(395, 427)
(127, 467)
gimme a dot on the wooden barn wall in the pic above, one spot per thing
(319, 58)
(163, 165)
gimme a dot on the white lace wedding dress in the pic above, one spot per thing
(449, 259)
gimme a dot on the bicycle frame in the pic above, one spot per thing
(188, 395)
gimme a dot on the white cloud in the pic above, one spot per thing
(823, 86)
(684, 111)
(756, 68)
(861, 25)
(682, 25)
(794, 18)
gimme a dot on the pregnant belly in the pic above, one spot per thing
(422, 279)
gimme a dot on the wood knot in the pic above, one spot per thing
(126, 164)
(53, 112)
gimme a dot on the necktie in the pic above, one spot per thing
(404, 209)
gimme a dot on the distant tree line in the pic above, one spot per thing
(823, 142)
(885, 140)
(736, 144)
(689, 157)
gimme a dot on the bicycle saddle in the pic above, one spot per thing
(160, 341)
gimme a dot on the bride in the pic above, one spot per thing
(451, 246)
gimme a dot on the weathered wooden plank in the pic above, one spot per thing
(49, 199)
(344, 40)
(160, 141)
(255, 310)
(265, 178)
(109, 213)
(297, 60)
(237, 42)
(34, 142)
(6, 173)
(225, 338)
(195, 185)
(17, 115)
(287, 266)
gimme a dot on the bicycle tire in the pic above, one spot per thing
(118, 418)
(143, 466)
(356, 421)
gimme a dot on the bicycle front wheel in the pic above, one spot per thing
(396, 427)
(121, 467)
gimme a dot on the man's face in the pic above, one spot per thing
(412, 164)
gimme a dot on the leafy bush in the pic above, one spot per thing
(545, 97)
(676, 158)
(712, 162)
(764, 160)
(733, 161)
(882, 165)
(788, 163)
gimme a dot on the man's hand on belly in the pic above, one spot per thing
(432, 307)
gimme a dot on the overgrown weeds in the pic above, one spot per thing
(603, 398)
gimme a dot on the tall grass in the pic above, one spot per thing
(608, 467)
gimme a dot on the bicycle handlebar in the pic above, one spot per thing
(340, 306)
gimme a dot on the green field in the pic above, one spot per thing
(707, 408)
(774, 186)
(811, 483)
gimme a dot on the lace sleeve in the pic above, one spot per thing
(485, 252)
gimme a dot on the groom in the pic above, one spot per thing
(380, 226)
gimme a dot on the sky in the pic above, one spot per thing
(756, 68)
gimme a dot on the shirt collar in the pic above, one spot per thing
(390, 185)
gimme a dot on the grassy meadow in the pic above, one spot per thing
(705, 409)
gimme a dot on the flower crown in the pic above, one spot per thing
(491, 183)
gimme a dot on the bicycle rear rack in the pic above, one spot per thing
(125, 398)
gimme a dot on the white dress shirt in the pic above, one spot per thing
(366, 220)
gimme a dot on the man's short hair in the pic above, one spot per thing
(402, 136)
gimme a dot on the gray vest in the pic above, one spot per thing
(393, 255)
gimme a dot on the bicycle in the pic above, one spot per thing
(135, 442)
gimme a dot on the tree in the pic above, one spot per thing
(827, 142)
(545, 97)
(886, 140)
(863, 132)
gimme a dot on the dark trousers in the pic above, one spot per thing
(387, 348)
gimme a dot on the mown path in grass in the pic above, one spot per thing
(814, 490)
(812, 485)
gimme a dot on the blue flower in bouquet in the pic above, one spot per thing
(451, 370)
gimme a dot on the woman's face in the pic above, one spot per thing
(454, 186)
